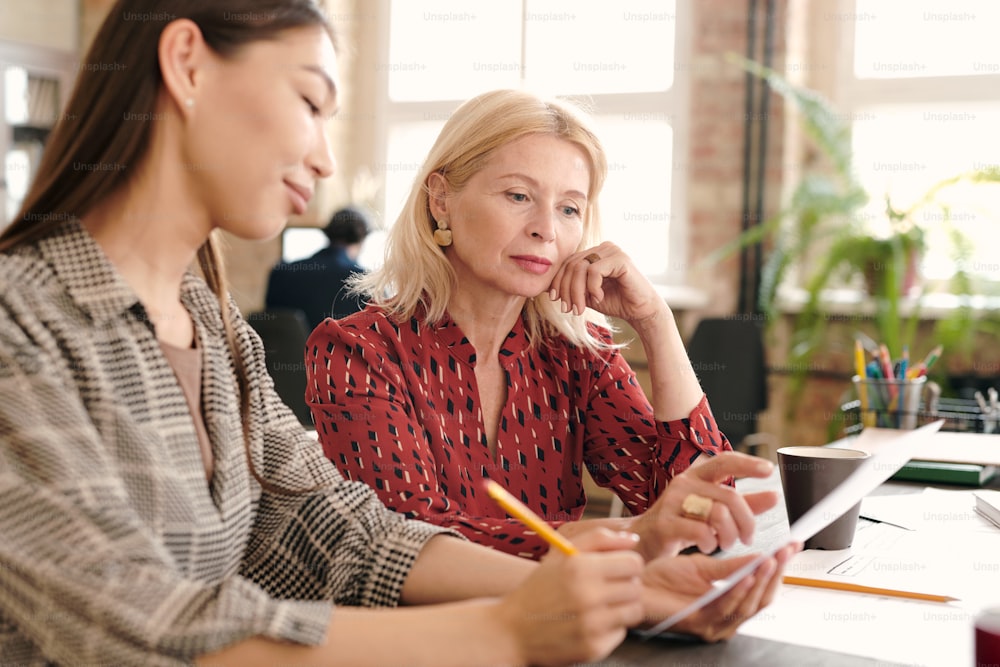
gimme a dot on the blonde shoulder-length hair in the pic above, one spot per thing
(416, 276)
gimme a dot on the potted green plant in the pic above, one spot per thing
(825, 232)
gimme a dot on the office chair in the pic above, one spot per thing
(728, 357)
(284, 333)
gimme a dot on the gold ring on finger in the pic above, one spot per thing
(696, 507)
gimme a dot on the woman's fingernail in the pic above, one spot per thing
(552, 294)
(629, 535)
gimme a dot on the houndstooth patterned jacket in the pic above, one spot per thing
(113, 547)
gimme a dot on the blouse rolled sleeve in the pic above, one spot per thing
(631, 452)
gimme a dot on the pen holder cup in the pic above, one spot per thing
(890, 403)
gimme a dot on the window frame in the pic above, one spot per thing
(853, 95)
(810, 42)
(673, 103)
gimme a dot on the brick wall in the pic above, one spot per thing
(715, 162)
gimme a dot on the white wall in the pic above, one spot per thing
(51, 23)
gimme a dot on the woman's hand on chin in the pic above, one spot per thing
(605, 279)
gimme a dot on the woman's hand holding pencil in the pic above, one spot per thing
(522, 513)
(599, 582)
(588, 600)
(586, 596)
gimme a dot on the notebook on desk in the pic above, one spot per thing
(945, 457)
(988, 505)
(937, 472)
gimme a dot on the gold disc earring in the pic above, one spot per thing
(442, 235)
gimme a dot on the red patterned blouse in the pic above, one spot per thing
(396, 406)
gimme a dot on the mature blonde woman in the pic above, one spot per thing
(485, 353)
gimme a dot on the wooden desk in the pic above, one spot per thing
(742, 649)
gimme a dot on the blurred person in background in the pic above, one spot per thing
(316, 285)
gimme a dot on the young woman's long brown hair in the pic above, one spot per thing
(92, 152)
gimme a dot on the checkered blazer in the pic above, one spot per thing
(113, 548)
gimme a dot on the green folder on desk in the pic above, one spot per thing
(936, 472)
(968, 459)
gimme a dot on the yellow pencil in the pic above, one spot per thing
(857, 588)
(519, 511)
(867, 416)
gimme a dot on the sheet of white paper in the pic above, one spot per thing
(933, 509)
(897, 631)
(892, 454)
(962, 564)
(904, 510)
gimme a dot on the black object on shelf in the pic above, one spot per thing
(30, 134)
(960, 415)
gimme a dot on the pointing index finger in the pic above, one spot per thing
(731, 464)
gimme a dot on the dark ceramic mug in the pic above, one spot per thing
(808, 474)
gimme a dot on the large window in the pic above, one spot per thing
(921, 78)
(618, 59)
